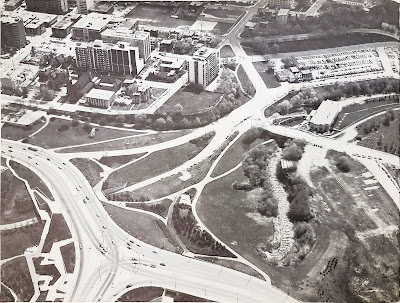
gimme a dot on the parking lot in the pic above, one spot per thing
(341, 64)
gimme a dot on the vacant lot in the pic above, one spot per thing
(68, 254)
(117, 161)
(245, 81)
(142, 226)
(223, 27)
(154, 164)
(60, 133)
(137, 141)
(16, 203)
(33, 179)
(232, 216)
(385, 138)
(226, 51)
(89, 169)
(15, 274)
(356, 112)
(193, 99)
(15, 241)
(58, 231)
(157, 15)
(13, 132)
(268, 77)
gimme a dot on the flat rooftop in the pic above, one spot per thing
(29, 117)
(9, 19)
(326, 113)
(203, 53)
(141, 34)
(100, 94)
(93, 21)
(26, 15)
(65, 22)
(283, 12)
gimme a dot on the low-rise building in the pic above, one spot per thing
(169, 64)
(89, 27)
(103, 8)
(12, 5)
(325, 116)
(100, 97)
(63, 27)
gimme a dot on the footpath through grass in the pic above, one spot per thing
(89, 169)
(13, 132)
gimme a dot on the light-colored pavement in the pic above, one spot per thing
(19, 224)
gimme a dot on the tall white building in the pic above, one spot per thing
(121, 58)
(203, 66)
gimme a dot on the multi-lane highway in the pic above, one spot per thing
(104, 273)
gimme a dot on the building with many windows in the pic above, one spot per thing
(203, 66)
(47, 6)
(279, 3)
(121, 58)
(325, 116)
(282, 16)
(13, 32)
(64, 26)
(83, 6)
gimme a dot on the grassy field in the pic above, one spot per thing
(13, 132)
(15, 241)
(46, 270)
(5, 294)
(142, 294)
(117, 161)
(386, 138)
(356, 112)
(157, 15)
(142, 226)
(15, 274)
(89, 169)
(192, 99)
(68, 254)
(154, 164)
(52, 137)
(232, 216)
(159, 207)
(16, 203)
(58, 231)
(33, 179)
(245, 81)
(134, 142)
(223, 27)
(268, 77)
(226, 51)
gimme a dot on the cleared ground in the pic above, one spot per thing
(137, 141)
(268, 77)
(223, 27)
(192, 99)
(16, 203)
(13, 132)
(157, 15)
(89, 169)
(142, 226)
(53, 135)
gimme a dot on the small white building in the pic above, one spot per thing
(100, 97)
(325, 116)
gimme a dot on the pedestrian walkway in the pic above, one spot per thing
(19, 224)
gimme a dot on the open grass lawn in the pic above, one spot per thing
(13, 132)
(226, 51)
(58, 231)
(46, 270)
(386, 138)
(68, 254)
(15, 241)
(159, 207)
(117, 161)
(142, 226)
(223, 13)
(142, 294)
(52, 136)
(245, 81)
(232, 216)
(154, 164)
(16, 203)
(134, 142)
(89, 169)
(33, 179)
(181, 297)
(268, 77)
(15, 274)
(356, 112)
(223, 27)
(157, 15)
(192, 99)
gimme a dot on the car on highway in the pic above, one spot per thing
(29, 157)
(98, 216)
(80, 245)
(152, 266)
(112, 242)
(104, 227)
(162, 264)
(48, 159)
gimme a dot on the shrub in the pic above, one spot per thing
(267, 206)
(63, 128)
(343, 164)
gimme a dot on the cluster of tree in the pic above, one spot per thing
(202, 141)
(45, 93)
(63, 127)
(255, 163)
(304, 239)
(259, 44)
(163, 77)
(253, 134)
(127, 197)
(293, 149)
(185, 225)
(54, 78)
(155, 208)
(56, 61)
(289, 61)
(299, 194)
(343, 163)
(337, 18)
(267, 204)
(309, 97)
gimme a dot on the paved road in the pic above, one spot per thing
(103, 277)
